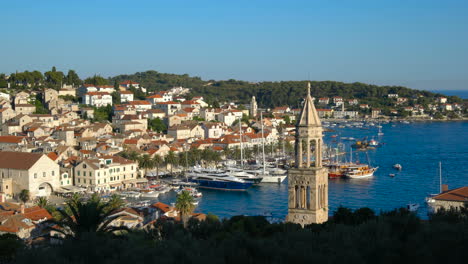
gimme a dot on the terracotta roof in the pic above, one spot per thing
(18, 160)
(125, 92)
(141, 102)
(11, 139)
(52, 155)
(129, 82)
(97, 93)
(459, 194)
(162, 206)
(154, 96)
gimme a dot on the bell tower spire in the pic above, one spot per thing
(308, 180)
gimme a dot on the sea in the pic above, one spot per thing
(460, 93)
(418, 147)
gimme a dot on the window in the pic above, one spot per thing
(84, 180)
(35, 175)
(53, 173)
(84, 166)
(98, 181)
(132, 167)
(43, 174)
(68, 181)
(98, 174)
(6, 187)
(124, 168)
(78, 180)
(78, 173)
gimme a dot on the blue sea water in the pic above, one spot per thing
(460, 93)
(418, 147)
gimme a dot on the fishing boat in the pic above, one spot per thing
(149, 194)
(397, 166)
(391, 175)
(373, 143)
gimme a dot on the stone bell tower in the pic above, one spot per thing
(308, 180)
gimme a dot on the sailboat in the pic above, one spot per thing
(429, 199)
(267, 177)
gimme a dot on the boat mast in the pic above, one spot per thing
(351, 155)
(440, 176)
(241, 146)
(263, 143)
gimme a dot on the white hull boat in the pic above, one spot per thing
(273, 178)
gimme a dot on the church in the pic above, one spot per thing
(308, 180)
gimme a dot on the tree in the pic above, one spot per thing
(24, 196)
(84, 217)
(54, 78)
(72, 78)
(171, 159)
(42, 202)
(184, 204)
(157, 160)
(156, 124)
(146, 163)
(96, 80)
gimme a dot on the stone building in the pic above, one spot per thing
(455, 198)
(308, 180)
(253, 107)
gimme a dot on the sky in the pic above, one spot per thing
(421, 44)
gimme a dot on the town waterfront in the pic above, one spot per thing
(418, 147)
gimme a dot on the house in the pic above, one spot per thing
(128, 84)
(338, 100)
(190, 104)
(97, 99)
(106, 174)
(375, 112)
(154, 113)
(169, 107)
(455, 198)
(125, 96)
(281, 109)
(25, 109)
(364, 106)
(127, 217)
(229, 116)
(208, 114)
(140, 105)
(12, 142)
(392, 95)
(179, 131)
(402, 100)
(31, 171)
(6, 114)
(67, 92)
(155, 98)
(324, 100)
(22, 222)
(325, 113)
(21, 98)
(87, 88)
(442, 100)
(446, 107)
(353, 101)
(214, 129)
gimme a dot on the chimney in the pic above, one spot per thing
(22, 208)
(444, 187)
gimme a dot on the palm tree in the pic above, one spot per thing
(42, 202)
(84, 217)
(24, 195)
(115, 202)
(171, 159)
(145, 162)
(157, 161)
(184, 204)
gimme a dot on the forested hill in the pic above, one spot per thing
(271, 94)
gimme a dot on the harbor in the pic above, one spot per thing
(418, 152)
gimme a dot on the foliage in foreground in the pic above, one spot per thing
(349, 237)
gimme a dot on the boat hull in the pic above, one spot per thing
(221, 185)
(274, 179)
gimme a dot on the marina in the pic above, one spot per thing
(418, 152)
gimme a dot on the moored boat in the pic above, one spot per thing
(220, 182)
(360, 171)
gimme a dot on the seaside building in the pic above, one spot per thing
(456, 198)
(308, 180)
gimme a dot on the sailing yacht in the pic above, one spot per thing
(429, 199)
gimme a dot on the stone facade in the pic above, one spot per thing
(308, 181)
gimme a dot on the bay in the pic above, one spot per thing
(418, 147)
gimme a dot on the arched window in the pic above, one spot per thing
(308, 197)
(297, 196)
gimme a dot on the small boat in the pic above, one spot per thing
(333, 136)
(149, 194)
(391, 175)
(412, 207)
(397, 166)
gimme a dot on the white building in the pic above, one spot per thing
(30, 171)
(97, 99)
(126, 96)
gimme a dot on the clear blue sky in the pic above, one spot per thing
(422, 44)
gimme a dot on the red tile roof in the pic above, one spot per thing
(129, 82)
(459, 194)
